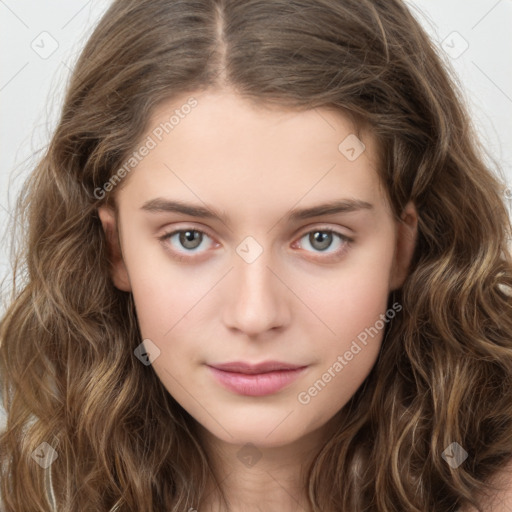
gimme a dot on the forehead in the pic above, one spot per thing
(233, 151)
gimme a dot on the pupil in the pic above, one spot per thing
(324, 240)
(189, 239)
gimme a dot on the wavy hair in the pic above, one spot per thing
(444, 372)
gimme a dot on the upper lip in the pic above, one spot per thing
(248, 368)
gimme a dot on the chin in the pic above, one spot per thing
(265, 431)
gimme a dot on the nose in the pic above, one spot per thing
(258, 300)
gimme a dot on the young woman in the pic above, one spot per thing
(266, 268)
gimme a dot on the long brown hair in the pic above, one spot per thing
(444, 373)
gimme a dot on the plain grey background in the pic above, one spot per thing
(42, 39)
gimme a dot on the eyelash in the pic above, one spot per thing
(347, 241)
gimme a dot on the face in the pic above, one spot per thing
(266, 307)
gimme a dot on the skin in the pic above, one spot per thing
(294, 303)
(500, 498)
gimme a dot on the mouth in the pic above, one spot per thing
(256, 379)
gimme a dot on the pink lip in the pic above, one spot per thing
(256, 380)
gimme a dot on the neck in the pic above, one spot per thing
(260, 478)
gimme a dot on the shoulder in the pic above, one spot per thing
(501, 500)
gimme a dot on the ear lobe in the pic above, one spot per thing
(407, 231)
(118, 269)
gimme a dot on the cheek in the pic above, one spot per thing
(165, 309)
(163, 292)
(359, 319)
(352, 296)
(352, 305)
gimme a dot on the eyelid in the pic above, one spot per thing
(302, 232)
(167, 232)
(320, 227)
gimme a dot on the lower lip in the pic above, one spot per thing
(259, 384)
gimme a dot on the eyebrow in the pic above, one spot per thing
(160, 204)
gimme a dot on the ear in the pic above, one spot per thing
(407, 230)
(118, 269)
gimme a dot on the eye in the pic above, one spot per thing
(185, 241)
(320, 240)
